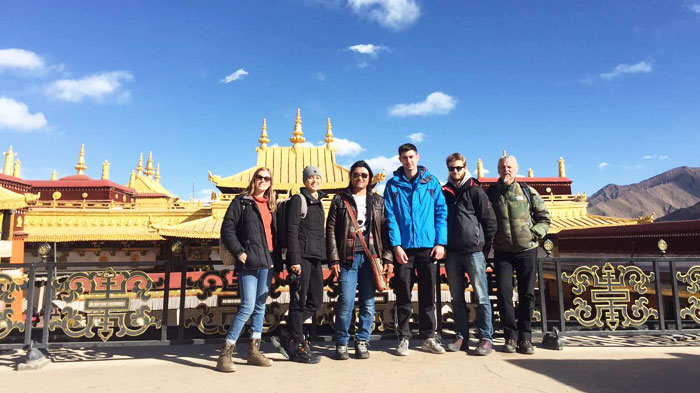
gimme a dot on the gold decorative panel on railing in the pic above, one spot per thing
(692, 279)
(610, 291)
(9, 286)
(212, 320)
(103, 301)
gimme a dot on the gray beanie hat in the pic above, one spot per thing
(311, 171)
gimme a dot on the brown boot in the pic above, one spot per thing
(254, 356)
(225, 362)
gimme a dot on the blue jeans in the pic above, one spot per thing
(359, 276)
(253, 286)
(474, 264)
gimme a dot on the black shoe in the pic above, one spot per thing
(341, 352)
(510, 346)
(362, 349)
(484, 347)
(302, 355)
(455, 345)
(525, 347)
(283, 348)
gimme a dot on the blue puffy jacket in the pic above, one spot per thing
(416, 212)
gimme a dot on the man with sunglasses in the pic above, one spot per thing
(471, 223)
(416, 216)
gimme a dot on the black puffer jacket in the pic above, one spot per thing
(471, 222)
(242, 231)
(305, 238)
(340, 232)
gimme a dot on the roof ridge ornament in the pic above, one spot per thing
(80, 166)
(264, 140)
(17, 171)
(139, 167)
(149, 165)
(329, 136)
(132, 180)
(9, 157)
(479, 168)
(105, 170)
(297, 134)
(562, 167)
(54, 175)
(157, 173)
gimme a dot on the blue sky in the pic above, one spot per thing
(613, 87)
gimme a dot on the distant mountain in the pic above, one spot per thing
(663, 194)
(686, 213)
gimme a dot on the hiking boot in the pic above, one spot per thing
(402, 349)
(525, 347)
(283, 348)
(302, 355)
(361, 349)
(509, 347)
(432, 345)
(483, 348)
(225, 362)
(255, 357)
(341, 352)
(455, 345)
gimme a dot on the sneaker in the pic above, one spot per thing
(341, 352)
(433, 345)
(510, 346)
(402, 349)
(361, 349)
(525, 347)
(302, 355)
(455, 345)
(282, 348)
(483, 348)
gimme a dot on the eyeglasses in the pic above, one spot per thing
(356, 175)
(455, 168)
(263, 178)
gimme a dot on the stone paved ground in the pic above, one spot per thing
(605, 365)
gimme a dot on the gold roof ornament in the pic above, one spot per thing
(329, 136)
(132, 180)
(264, 140)
(562, 168)
(530, 173)
(17, 172)
(149, 165)
(80, 166)
(54, 175)
(9, 157)
(297, 134)
(504, 153)
(105, 170)
(139, 167)
(479, 168)
(157, 173)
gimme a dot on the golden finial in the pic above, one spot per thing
(132, 179)
(9, 157)
(157, 173)
(80, 166)
(139, 167)
(479, 168)
(562, 168)
(530, 173)
(17, 171)
(298, 134)
(504, 153)
(264, 140)
(105, 170)
(54, 175)
(329, 135)
(149, 165)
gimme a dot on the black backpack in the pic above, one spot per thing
(283, 219)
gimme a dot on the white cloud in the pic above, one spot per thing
(368, 49)
(621, 69)
(663, 157)
(416, 137)
(381, 163)
(602, 165)
(485, 171)
(437, 103)
(97, 86)
(347, 147)
(14, 58)
(15, 115)
(660, 157)
(647, 157)
(392, 14)
(319, 76)
(238, 74)
(693, 6)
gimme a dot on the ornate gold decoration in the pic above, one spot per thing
(132, 180)
(149, 165)
(297, 134)
(264, 140)
(56, 195)
(157, 173)
(610, 294)
(107, 304)
(329, 135)
(548, 246)
(504, 153)
(562, 168)
(8, 285)
(17, 172)
(139, 167)
(692, 278)
(479, 168)
(530, 173)
(7, 167)
(84, 195)
(662, 245)
(80, 166)
(105, 170)
(54, 175)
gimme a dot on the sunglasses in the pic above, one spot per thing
(356, 175)
(263, 178)
(455, 168)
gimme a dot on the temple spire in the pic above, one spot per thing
(54, 175)
(530, 173)
(504, 153)
(479, 168)
(149, 165)
(264, 140)
(9, 157)
(329, 135)
(132, 180)
(80, 166)
(17, 171)
(139, 167)
(157, 173)
(105, 170)
(562, 168)
(298, 134)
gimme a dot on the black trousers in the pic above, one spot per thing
(524, 264)
(420, 268)
(305, 297)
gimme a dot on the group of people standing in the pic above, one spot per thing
(416, 224)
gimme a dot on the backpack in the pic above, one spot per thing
(283, 218)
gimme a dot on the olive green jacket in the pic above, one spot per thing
(519, 229)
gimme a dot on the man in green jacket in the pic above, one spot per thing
(523, 222)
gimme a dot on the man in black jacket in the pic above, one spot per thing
(471, 223)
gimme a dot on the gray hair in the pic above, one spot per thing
(502, 159)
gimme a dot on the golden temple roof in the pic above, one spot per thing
(11, 200)
(203, 228)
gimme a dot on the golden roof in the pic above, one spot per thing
(203, 228)
(10, 200)
(147, 185)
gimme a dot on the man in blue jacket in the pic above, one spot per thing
(416, 215)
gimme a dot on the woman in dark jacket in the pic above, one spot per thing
(348, 261)
(248, 232)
